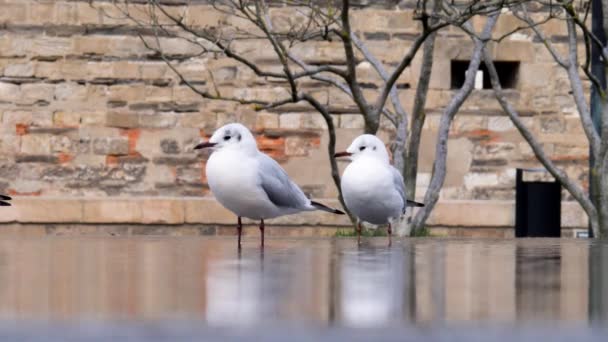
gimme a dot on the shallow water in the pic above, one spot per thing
(311, 282)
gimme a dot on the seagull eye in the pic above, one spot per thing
(227, 137)
(361, 148)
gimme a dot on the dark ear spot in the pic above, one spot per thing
(238, 137)
(374, 148)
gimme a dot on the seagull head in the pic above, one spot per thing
(365, 146)
(230, 136)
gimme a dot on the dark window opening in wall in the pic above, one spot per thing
(507, 74)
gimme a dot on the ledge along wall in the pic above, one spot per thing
(95, 129)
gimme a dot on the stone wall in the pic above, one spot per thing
(87, 111)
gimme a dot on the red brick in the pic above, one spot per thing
(13, 192)
(64, 158)
(266, 143)
(133, 135)
(21, 129)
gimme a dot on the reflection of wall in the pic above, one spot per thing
(322, 281)
(574, 278)
(97, 278)
(479, 281)
(598, 288)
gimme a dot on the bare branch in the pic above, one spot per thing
(371, 121)
(331, 146)
(405, 62)
(541, 36)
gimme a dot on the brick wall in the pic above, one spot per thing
(87, 110)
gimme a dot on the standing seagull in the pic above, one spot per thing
(248, 182)
(4, 201)
(373, 189)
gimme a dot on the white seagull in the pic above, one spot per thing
(250, 183)
(372, 188)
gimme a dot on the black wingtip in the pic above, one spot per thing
(414, 204)
(5, 198)
(323, 207)
(4, 204)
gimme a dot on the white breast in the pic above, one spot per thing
(369, 193)
(233, 180)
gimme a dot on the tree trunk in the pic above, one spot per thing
(441, 149)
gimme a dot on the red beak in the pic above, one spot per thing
(204, 145)
(342, 154)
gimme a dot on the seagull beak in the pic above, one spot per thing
(204, 145)
(342, 154)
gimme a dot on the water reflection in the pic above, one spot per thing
(423, 281)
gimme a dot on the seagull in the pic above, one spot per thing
(373, 189)
(248, 182)
(4, 201)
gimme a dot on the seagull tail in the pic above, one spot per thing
(3, 199)
(414, 204)
(323, 207)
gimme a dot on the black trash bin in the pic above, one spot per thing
(537, 206)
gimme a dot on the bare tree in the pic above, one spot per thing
(441, 149)
(574, 16)
(327, 21)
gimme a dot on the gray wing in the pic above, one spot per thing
(399, 185)
(278, 187)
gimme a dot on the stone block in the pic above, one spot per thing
(500, 123)
(13, 12)
(61, 144)
(92, 45)
(70, 92)
(45, 46)
(517, 51)
(207, 210)
(94, 118)
(122, 119)
(573, 215)
(486, 179)
(125, 70)
(163, 211)
(352, 121)
(535, 75)
(297, 146)
(104, 146)
(112, 210)
(487, 214)
(48, 210)
(290, 120)
(266, 120)
(9, 144)
(313, 120)
(19, 70)
(39, 144)
(37, 92)
(66, 118)
(9, 92)
(158, 120)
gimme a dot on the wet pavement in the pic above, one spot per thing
(136, 288)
